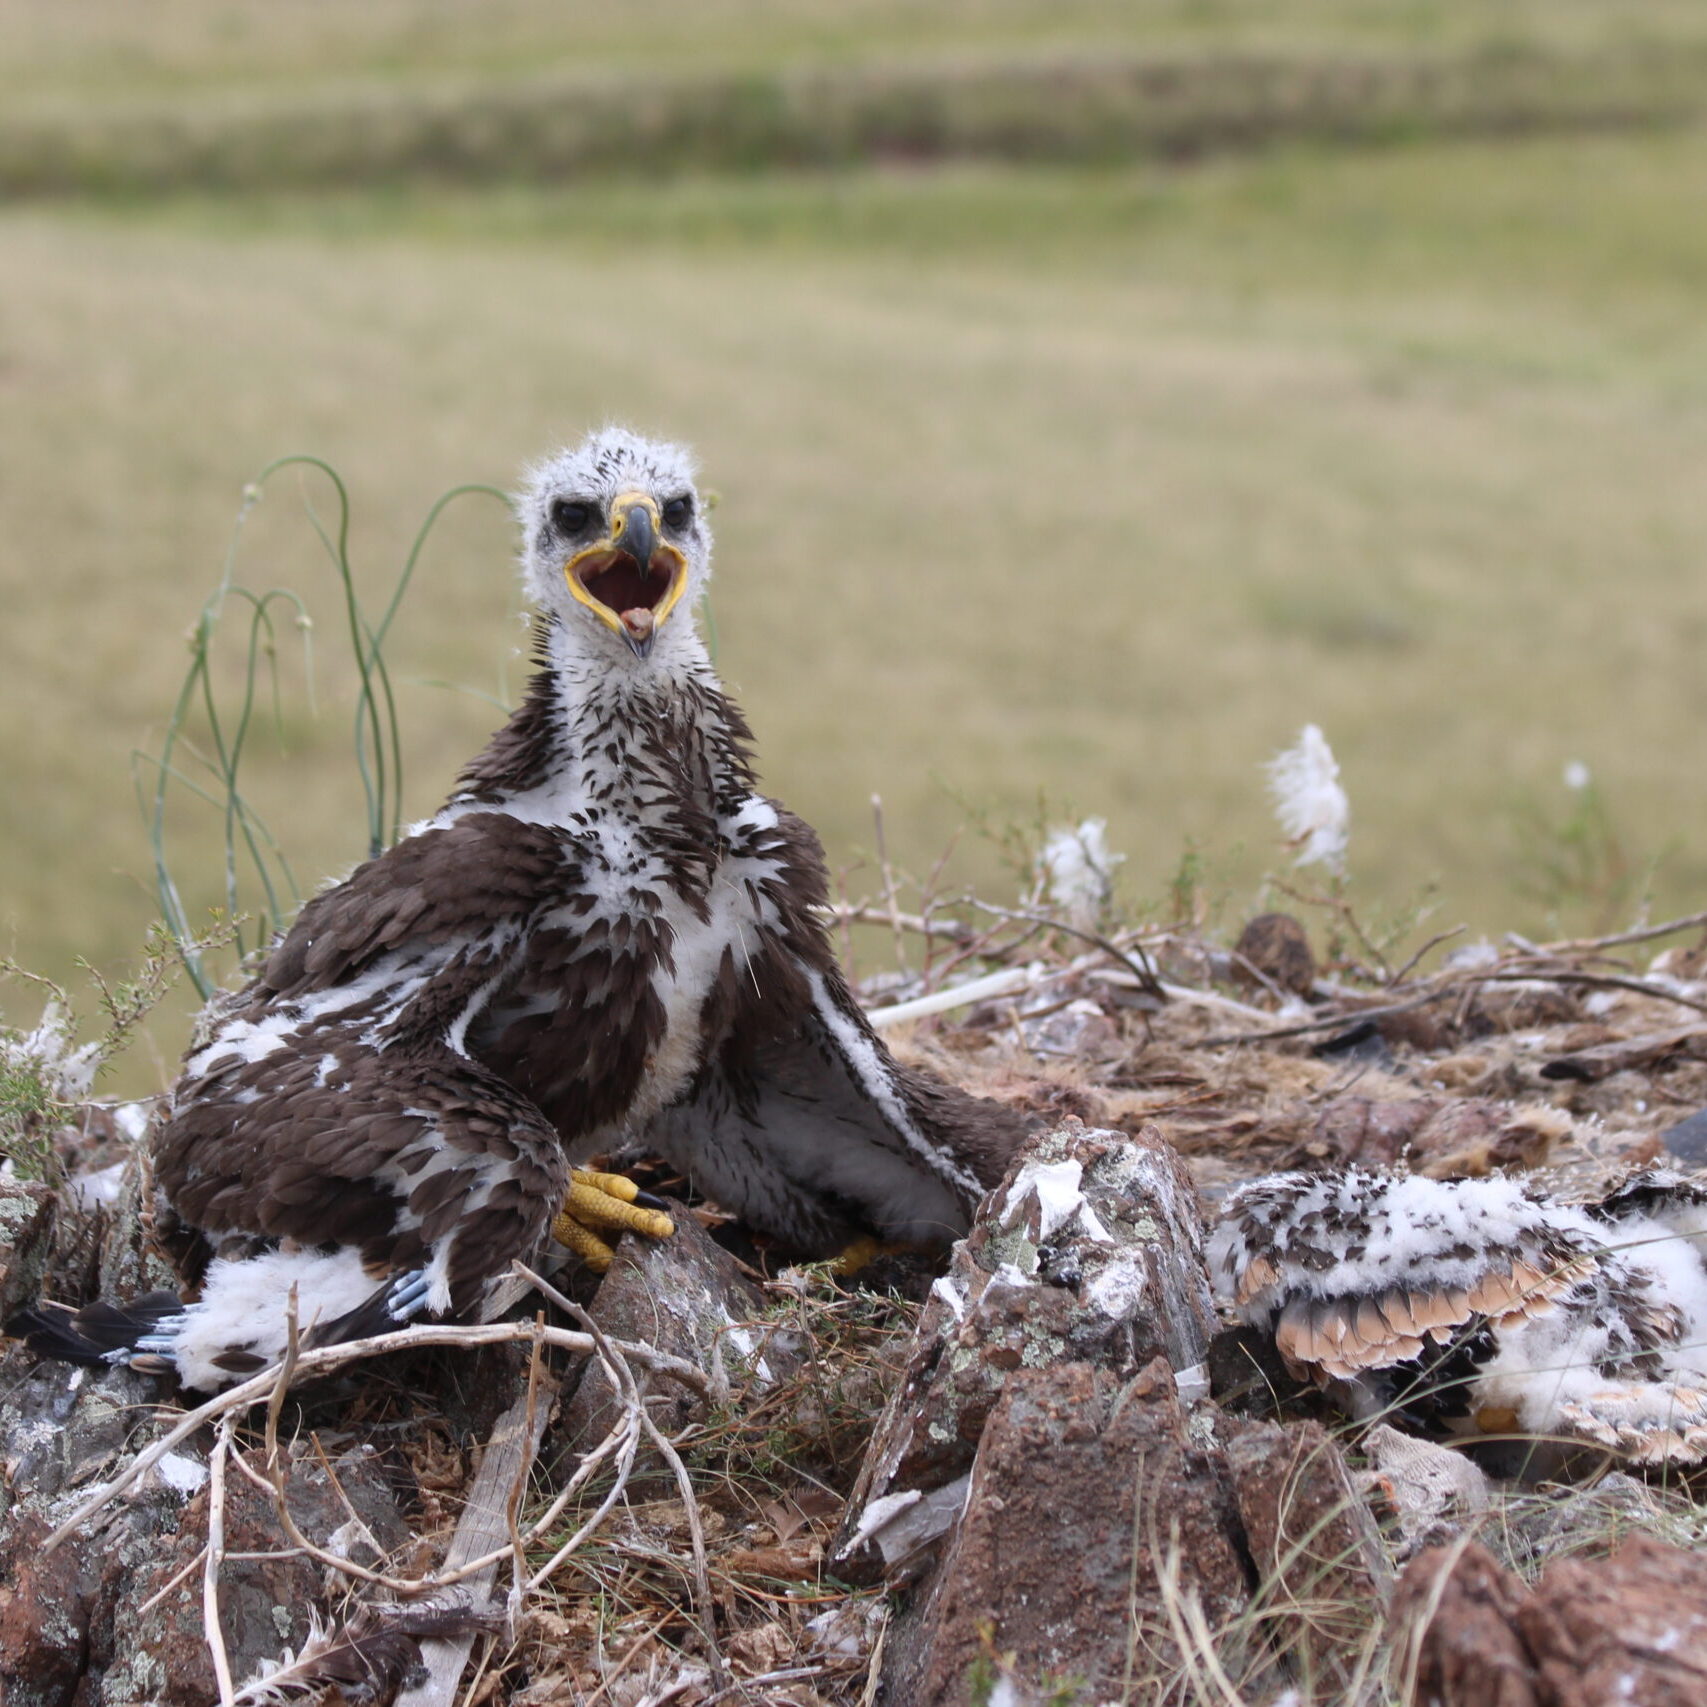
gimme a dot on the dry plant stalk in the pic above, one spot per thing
(710, 1386)
(213, 1556)
(613, 1359)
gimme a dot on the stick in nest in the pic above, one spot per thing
(325, 1358)
(213, 1556)
(631, 1395)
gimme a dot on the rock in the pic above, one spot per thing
(1362, 1042)
(1630, 1628)
(1558, 1519)
(1087, 1498)
(1091, 1250)
(1319, 1558)
(64, 1431)
(45, 1605)
(26, 1239)
(1274, 948)
(130, 1262)
(1468, 1651)
(160, 1654)
(1687, 1140)
(1077, 1031)
(684, 1295)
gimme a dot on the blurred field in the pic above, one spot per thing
(103, 48)
(1089, 482)
(213, 97)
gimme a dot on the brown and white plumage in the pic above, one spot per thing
(1516, 1311)
(607, 935)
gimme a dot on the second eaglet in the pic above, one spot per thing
(607, 935)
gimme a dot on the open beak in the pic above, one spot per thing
(631, 579)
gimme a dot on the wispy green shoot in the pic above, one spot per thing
(261, 891)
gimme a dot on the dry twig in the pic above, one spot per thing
(325, 1358)
(213, 1556)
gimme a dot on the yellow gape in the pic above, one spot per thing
(631, 579)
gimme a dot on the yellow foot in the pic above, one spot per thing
(864, 1251)
(604, 1203)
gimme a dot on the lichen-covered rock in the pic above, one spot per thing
(26, 1239)
(160, 1654)
(683, 1295)
(1088, 1503)
(1091, 1250)
(65, 1430)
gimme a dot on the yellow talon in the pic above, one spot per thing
(612, 1185)
(605, 1202)
(584, 1242)
(860, 1253)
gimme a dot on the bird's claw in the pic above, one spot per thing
(605, 1203)
(862, 1253)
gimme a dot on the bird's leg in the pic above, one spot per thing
(862, 1253)
(605, 1203)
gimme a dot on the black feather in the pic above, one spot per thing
(93, 1334)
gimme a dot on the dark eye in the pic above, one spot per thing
(570, 518)
(678, 512)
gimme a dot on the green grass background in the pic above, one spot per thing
(1091, 480)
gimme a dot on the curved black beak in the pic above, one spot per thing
(637, 536)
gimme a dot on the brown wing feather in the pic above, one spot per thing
(381, 1150)
(483, 870)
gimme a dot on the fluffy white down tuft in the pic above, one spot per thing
(1314, 813)
(243, 1307)
(1078, 870)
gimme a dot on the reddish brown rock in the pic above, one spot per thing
(1318, 1555)
(44, 1616)
(1469, 1653)
(1086, 1493)
(1629, 1628)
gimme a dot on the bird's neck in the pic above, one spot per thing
(628, 733)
